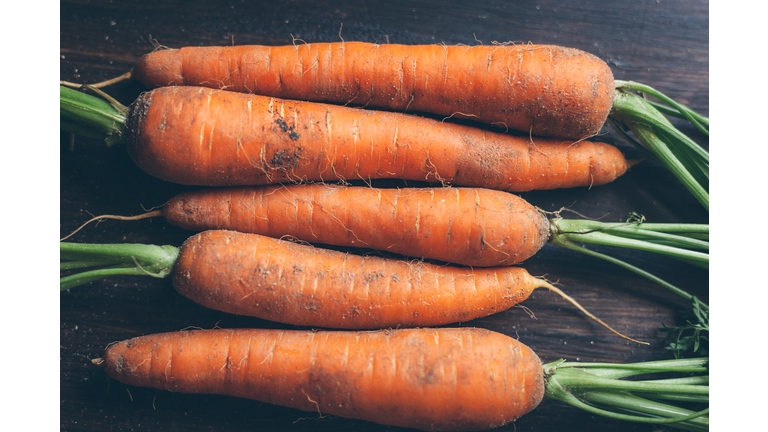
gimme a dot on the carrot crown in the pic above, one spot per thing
(106, 260)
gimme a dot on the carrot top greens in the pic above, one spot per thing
(659, 138)
(599, 389)
(687, 243)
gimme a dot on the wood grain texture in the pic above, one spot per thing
(663, 44)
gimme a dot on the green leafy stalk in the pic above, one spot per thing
(106, 260)
(92, 117)
(684, 242)
(599, 389)
(671, 240)
(659, 138)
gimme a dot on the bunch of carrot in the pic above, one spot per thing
(209, 137)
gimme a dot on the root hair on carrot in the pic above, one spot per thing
(457, 113)
(101, 218)
(562, 209)
(526, 310)
(316, 404)
(124, 77)
(156, 45)
(506, 128)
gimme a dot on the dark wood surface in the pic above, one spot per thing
(663, 44)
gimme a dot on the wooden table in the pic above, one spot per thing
(663, 44)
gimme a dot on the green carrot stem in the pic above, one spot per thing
(678, 153)
(667, 158)
(676, 228)
(596, 388)
(600, 238)
(676, 110)
(583, 380)
(664, 109)
(643, 235)
(78, 279)
(568, 232)
(702, 379)
(674, 397)
(674, 240)
(121, 259)
(637, 406)
(90, 116)
(619, 370)
(73, 265)
(573, 246)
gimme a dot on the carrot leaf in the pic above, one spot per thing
(693, 337)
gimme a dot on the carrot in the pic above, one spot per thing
(249, 274)
(468, 226)
(199, 136)
(542, 89)
(429, 379)
(446, 379)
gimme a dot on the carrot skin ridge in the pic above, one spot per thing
(463, 379)
(238, 273)
(199, 136)
(542, 89)
(467, 226)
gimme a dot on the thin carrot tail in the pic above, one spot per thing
(126, 76)
(633, 162)
(154, 213)
(541, 283)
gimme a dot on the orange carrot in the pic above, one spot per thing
(429, 379)
(468, 226)
(248, 274)
(206, 137)
(540, 89)
(199, 136)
